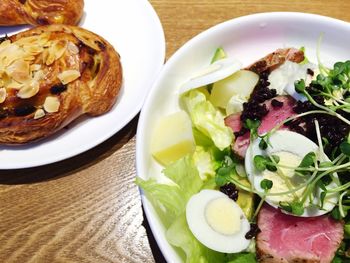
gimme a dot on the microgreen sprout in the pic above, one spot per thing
(294, 207)
(253, 126)
(345, 148)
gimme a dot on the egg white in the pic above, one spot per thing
(299, 145)
(197, 222)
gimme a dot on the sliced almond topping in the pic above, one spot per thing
(39, 114)
(32, 40)
(3, 95)
(29, 91)
(45, 55)
(14, 85)
(35, 67)
(38, 75)
(68, 76)
(56, 50)
(28, 58)
(19, 71)
(51, 104)
(33, 49)
(59, 48)
(11, 54)
(73, 48)
(50, 58)
(24, 41)
(85, 38)
(5, 44)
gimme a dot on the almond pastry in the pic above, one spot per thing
(49, 76)
(40, 12)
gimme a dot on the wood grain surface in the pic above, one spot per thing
(87, 208)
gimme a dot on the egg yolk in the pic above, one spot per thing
(285, 179)
(222, 217)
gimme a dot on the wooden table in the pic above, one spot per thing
(87, 208)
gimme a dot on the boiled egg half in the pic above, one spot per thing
(217, 221)
(290, 147)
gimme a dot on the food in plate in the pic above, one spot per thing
(285, 238)
(273, 138)
(217, 221)
(49, 76)
(40, 12)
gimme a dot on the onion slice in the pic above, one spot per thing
(214, 72)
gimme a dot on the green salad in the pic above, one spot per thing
(275, 133)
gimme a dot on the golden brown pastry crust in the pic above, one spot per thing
(93, 92)
(40, 12)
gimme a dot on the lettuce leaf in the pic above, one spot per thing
(243, 258)
(169, 200)
(207, 119)
(179, 235)
(204, 162)
(185, 174)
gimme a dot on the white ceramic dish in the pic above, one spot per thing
(248, 39)
(134, 29)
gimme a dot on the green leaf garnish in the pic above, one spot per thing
(263, 144)
(300, 86)
(226, 171)
(266, 184)
(252, 124)
(296, 208)
(271, 167)
(223, 175)
(285, 206)
(336, 213)
(260, 162)
(345, 148)
(322, 197)
(308, 160)
(275, 158)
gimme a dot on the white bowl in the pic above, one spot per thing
(247, 38)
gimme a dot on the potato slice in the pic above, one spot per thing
(172, 138)
(240, 83)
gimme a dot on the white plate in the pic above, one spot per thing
(248, 39)
(134, 29)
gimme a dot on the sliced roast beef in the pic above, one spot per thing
(286, 238)
(276, 58)
(279, 109)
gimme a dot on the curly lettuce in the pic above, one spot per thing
(207, 119)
